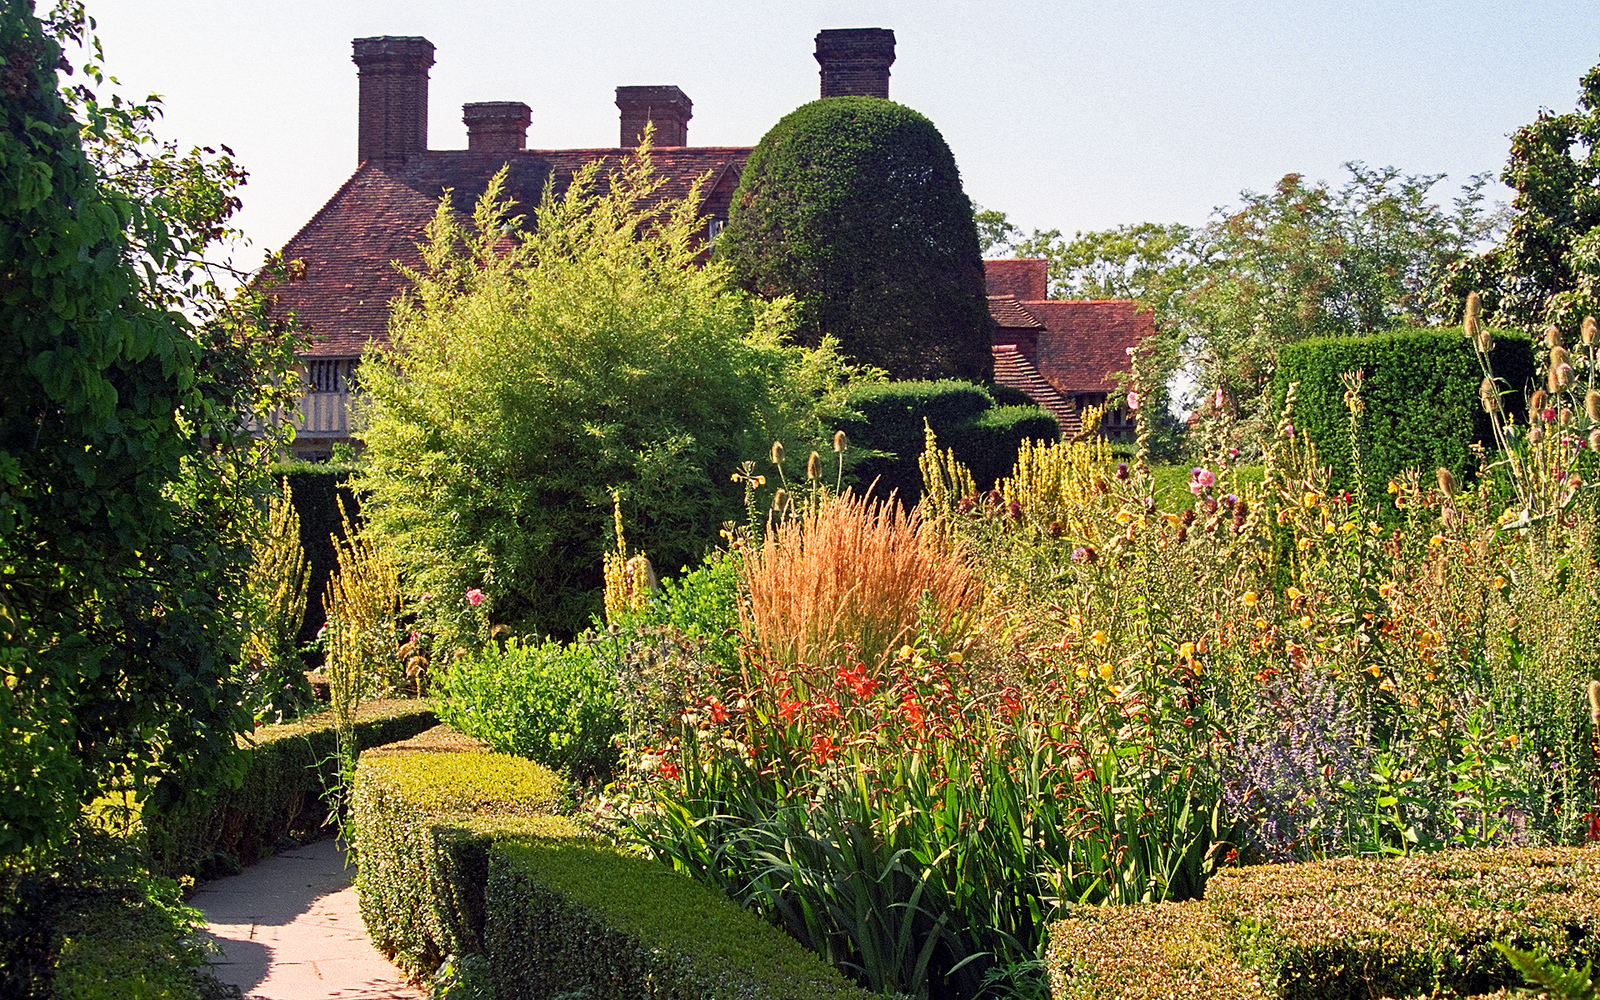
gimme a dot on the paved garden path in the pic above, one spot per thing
(289, 929)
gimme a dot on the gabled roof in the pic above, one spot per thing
(1012, 368)
(1084, 344)
(378, 216)
(1008, 314)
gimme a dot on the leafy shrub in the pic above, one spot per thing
(853, 206)
(701, 605)
(1421, 399)
(284, 793)
(580, 918)
(547, 701)
(424, 821)
(277, 592)
(323, 499)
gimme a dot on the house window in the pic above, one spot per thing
(714, 229)
(330, 376)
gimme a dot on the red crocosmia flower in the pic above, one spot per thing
(827, 707)
(788, 711)
(913, 714)
(858, 681)
(669, 769)
(823, 748)
(715, 709)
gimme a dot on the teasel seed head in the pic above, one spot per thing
(814, 467)
(1485, 341)
(1539, 398)
(1564, 418)
(1471, 327)
(777, 453)
(1552, 336)
(1590, 329)
(840, 441)
(1591, 404)
(780, 502)
(1489, 395)
(1552, 380)
(1594, 701)
(1474, 306)
(1594, 439)
(1447, 482)
(1559, 356)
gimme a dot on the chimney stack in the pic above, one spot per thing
(496, 126)
(394, 97)
(855, 61)
(669, 107)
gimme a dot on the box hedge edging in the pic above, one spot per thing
(578, 917)
(283, 794)
(461, 857)
(1421, 926)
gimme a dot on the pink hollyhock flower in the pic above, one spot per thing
(1133, 400)
(474, 597)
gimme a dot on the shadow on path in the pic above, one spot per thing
(289, 929)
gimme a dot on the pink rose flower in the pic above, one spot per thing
(474, 597)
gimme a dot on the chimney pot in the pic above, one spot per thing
(855, 61)
(668, 107)
(394, 97)
(496, 126)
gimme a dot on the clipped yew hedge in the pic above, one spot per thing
(424, 819)
(1421, 396)
(1422, 926)
(284, 793)
(578, 918)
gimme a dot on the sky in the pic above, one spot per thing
(1072, 116)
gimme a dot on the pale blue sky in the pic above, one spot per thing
(1066, 115)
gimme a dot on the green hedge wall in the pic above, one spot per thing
(964, 416)
(283, 792)
(1422, 926)
(423, 824)
(577, 918)
(317, 491)
(1421, 395)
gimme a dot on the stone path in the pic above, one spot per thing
(289, 929)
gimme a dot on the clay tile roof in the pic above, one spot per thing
(1026, 278)
(1083, 345)
(1008, 313)
(1012, 368)
(378, 216)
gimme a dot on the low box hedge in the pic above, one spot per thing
(425, 814)
(1422, 926)
(579, 918)
(292, 767)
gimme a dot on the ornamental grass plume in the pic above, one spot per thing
(855, 570)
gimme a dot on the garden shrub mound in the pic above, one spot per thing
(284, 794)
(424, 819)
(1346, 928)
(577, 918)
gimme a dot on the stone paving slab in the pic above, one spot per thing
(289, 928)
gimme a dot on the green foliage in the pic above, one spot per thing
(1540, 971)
(893, 421)
(125, 455)
(1423, 926)
(424, 821)
(1420, 396)
(276, 687)
(322, 498)
(1547, 267)
(853, 206)
(284, 793)
(1302, 260)
(580, 918)
(548, 701)
(535, 375)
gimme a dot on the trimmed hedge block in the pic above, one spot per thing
(1422, 926)
(283, 795)
(1421, 400)
(424, 821)
(579, 918)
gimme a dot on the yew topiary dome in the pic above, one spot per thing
(854, 206)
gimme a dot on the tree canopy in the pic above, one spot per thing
(541, 370)
(1547, 268)
(853, 206)
(123, 446)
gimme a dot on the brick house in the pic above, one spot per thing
(379, 214)
(1065, 354)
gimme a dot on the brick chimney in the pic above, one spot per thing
(855, 61)
(669, 107)
(496, 126)
(394, 97)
